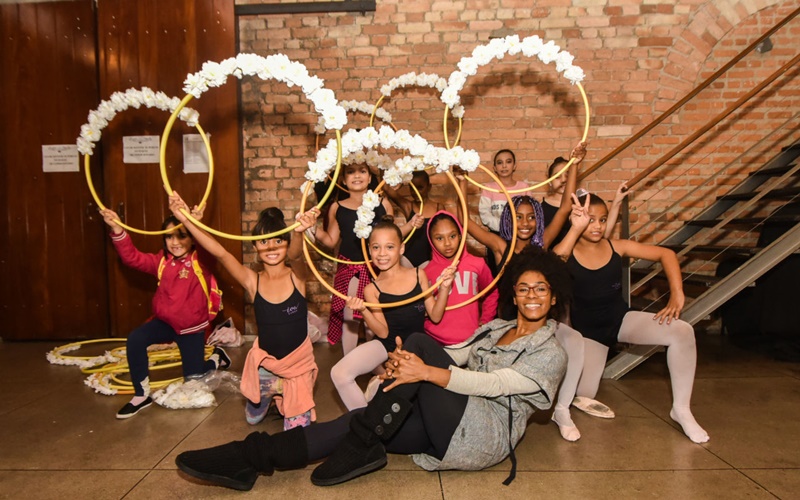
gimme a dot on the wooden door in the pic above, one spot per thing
(52, 251)
(156, 43)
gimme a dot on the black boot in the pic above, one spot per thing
(362, 451)
(237, 464)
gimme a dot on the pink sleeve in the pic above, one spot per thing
(132, 257)
(489, 302)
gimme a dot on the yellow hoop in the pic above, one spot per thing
(364, 252)
(509, 254)
(554, 176)
(444, 127)
(87, 171)
(168, 188)
(424, 293)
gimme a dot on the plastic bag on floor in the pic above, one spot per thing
(226, 335)
(317, 328)
(197, 392)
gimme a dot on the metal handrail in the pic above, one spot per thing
(638, 135)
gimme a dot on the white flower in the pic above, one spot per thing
(417, 146)
(457, 80)
(362, 229)
(162, 101)
(386, 137)
(319, 128)
(195, 84)
(468, 65)
(370, 199)
(386, 90)
(549, 52)
(213, 74)
(470, 160)
(531, 46)
(393, 177)
(335, 118)
(365, 214)
(458, 111)
(316, 172)
(574, 74)
(249, 63)
(369, 137)
(132, 97)
(148, 97)
(450, 96)
(563, 61)
(118, 101)
(514, 45)
(441, 84)
(230, 66)
(311, 84)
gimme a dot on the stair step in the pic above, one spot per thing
(749, 221)
(782, 193)
(774, 171)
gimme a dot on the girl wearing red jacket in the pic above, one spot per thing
(180, 307)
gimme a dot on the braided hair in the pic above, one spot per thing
(506, 224)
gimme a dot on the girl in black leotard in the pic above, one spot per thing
(395, 283)
(601, 315)
(281, 363)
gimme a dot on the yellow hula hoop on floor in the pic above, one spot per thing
(554, 176)
(168, 188)
(101, 206)
(170, 354)
(56, 351)
(424, 293)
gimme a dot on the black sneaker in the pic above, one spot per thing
(130, 410)
(224, 359)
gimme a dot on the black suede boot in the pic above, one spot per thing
(362, 449)
(237, 464)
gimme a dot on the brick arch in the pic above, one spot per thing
(692, 47)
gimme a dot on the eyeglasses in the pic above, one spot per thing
(538, 289)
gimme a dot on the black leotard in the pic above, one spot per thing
(418, 248)
(351, 244)
(281, 327)
(403, 320)
(598, 307)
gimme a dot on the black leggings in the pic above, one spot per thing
(429, 426)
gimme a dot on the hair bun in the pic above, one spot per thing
(387, 218)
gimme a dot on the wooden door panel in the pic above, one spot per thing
(53, 258)
(156, 43)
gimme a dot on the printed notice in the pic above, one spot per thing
(60, 158)
(140, 149)
(195, 155)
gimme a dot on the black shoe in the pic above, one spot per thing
(224, 359)
(130, 410)
(352, 458)
(223, 465)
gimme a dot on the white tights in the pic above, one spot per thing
(640, 328)
(573, 343)
(362, 359)
(349, 325)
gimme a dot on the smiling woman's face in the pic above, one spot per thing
(533, 296)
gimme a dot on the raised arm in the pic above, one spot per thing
(613, 212)
(579, 220)
(332, 236)
(245, 276)
(552, 229)
(294, 254)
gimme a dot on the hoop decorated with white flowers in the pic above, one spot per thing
(277, 67)
(400, 171)
(412, 79)
(121, 101)
(497, 49)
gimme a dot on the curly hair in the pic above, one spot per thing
(506, 224)
(554, 270)
(271, 220)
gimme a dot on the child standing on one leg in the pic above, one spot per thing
(280, 364)
(180, 306)
(395, 283)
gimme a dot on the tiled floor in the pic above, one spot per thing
(58, 439)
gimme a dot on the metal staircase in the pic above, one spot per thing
(767, 184)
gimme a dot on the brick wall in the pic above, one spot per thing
(639, 57)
